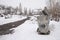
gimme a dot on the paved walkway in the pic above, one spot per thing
(4, 29)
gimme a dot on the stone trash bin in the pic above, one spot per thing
(43, 24)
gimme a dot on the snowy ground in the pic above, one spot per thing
(12, 19)
(27, 31)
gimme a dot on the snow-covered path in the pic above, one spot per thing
(27, 31)
(12, 19)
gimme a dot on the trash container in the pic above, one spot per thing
(43, 24)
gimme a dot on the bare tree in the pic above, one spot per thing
(25, 11)
(30, 12)
(53, 6)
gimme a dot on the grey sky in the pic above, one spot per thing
(33, 4)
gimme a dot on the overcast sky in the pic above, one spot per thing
(33, 4)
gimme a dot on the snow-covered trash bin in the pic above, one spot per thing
(43, 23)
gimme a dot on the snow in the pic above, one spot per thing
(12, 19)
(27, 31)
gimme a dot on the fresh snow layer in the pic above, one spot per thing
(12, 19)
(27, 31)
